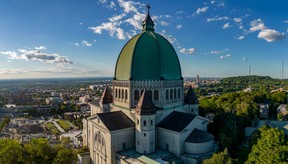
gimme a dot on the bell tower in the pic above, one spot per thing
(145, 124)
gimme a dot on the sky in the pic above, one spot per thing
(76, 38)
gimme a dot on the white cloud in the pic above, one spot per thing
(76, 44)
(103, 1)
(86, 43)
(112, 5)
(12, 71)
(226, 25)
(163, 23)
(94, 40)
(114, 24)
(271, 35)
(219, 51)
(221, 4)
(201, 10)
(179, 12)
(212, 2)
(80, 23)
(136, 20)
(187, 51)
(286, 21)
(244, 59)
(257, 25)
(40, 48)
(128, 6)
(38, 55)
(116, 18)
(217, 19)
(170, 38)
(238, 20)
(225, 56)
(241, 37)
(179, 26)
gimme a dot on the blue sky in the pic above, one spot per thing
(76, 38)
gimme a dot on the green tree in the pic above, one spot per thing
(271, 147)
(11, 152)
(64, 156)
(219, 158)
(40, 151)
(5, 121)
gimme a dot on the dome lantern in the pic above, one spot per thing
(148, 23)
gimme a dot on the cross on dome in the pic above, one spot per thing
(148, 8)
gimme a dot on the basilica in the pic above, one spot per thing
(145, 117)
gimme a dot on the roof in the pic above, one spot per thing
(148, 56)
(30, 129)
(176, 121)
(146, 159)
(145, 105)
(95, 102)
(199, 136)
(191, 97)
(115, 120)
(106, 96)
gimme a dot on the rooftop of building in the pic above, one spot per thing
(176, 121)
(115, 120)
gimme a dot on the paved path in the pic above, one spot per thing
(75, 127)
(58, 126)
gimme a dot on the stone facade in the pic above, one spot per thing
(145, 117)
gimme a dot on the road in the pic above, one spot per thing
(58, 126)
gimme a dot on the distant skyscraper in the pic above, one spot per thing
(197, 79)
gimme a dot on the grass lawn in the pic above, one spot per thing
(52, 128)
(242, 155)
(64, 125)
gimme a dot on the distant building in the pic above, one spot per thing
(55, 94)
(264, 110)
(283, 125)
(282, 109)
(74, 136)
(85, 99)
(147, 119)
(54, 100)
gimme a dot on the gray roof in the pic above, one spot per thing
(191, 97)
(95, 102)
(106, 96)
(176, 121)
(145, 105)
(199, 136)
(115, 120)
(30, 129)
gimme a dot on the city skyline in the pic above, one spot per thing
(51, 39)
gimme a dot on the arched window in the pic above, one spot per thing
(179, 93)
(192, 110)
(167, 94)
(116, 93)
(119, 93)
(150, 93)
(126, 94)
(175, 93)
(171, 94)
(122, 96)
(99, 139)
(136, 95)
(156, 95)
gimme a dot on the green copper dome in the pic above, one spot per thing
(148, 56)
